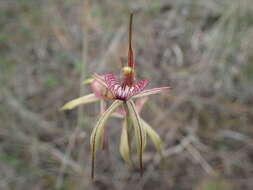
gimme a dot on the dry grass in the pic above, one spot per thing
(202, 49)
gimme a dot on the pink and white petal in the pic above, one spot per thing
(151, 92)
(100, 90)
(97, 89)
(110, 80)
(137, 88)
(139, 103)
(142, 84)
(100, 79)
(113, 85)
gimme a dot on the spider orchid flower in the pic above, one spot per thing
(128, 98)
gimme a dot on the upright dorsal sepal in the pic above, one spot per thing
(128, 71)
(130, 51)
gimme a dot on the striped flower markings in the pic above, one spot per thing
(121, 99)
(121, 91)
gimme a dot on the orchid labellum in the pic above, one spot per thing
(128, 98)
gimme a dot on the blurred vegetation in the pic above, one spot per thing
(202, 48)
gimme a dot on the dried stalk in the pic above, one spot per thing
(85, 28)
(80, 116)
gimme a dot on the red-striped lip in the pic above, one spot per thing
(123, 92)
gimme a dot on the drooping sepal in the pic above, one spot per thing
(98, 130)
(79, 101)
(153, 136)
(124, 143)
(140, 132)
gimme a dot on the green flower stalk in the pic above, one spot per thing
(128, 98)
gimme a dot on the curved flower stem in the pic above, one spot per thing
(103, 107)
